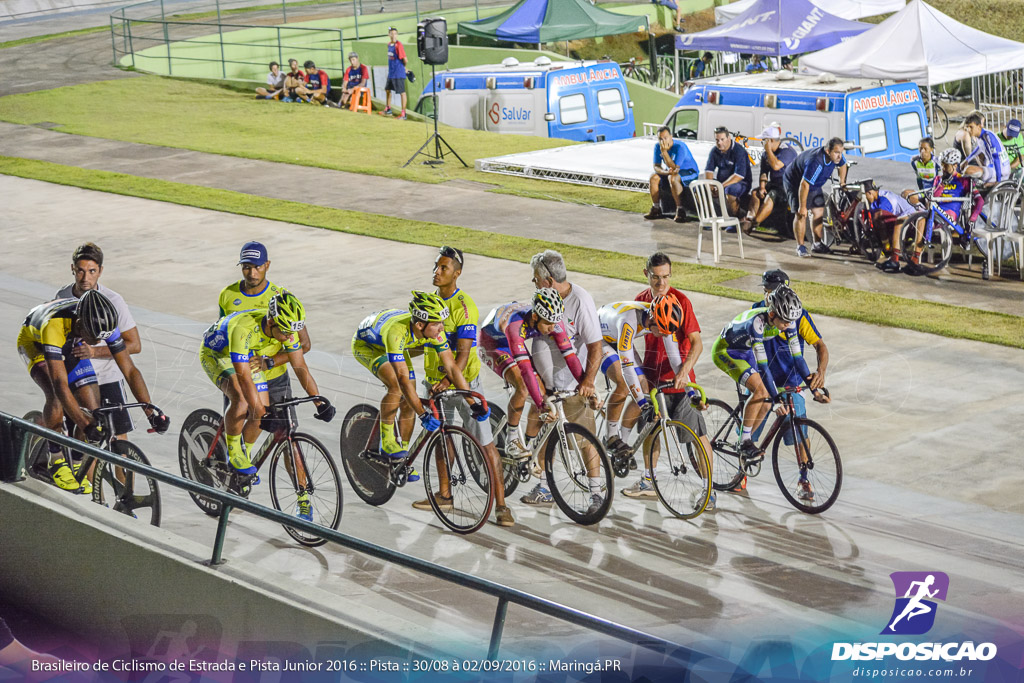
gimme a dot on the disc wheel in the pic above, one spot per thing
(569, 469)
(724, 433)
(197, 434)
(936, 248)
(303, 465)
(681, 476)
(125, 491)
(461, 496)
(369, 475)
(814, 458)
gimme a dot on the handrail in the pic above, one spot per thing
(15, 463)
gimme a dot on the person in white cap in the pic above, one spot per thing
(770, 192)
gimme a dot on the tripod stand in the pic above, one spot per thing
(437, 156)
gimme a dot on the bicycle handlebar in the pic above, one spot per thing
(113, 408)
(689, 385)
(452, 393)
(289, 402)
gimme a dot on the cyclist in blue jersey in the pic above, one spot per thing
(803, 183)
(889, 212)
(991, 164)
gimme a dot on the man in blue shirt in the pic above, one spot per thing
(803, 181)
(675, 166)
(770, 192)
(729, 165)
(397, 62)
(991, 164)
(700, 66)
(755, 66)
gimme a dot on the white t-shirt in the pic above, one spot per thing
(106, 369)
(275, 82)
(583, 325)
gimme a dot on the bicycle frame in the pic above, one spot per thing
(777, 426)
(103, 415)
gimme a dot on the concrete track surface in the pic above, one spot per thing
(928, 428)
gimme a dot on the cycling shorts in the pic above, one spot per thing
(495, 355)
(373, 357)
(80, 370)
(737, 363)
(218, 367)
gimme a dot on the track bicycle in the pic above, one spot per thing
(462, 469)
(299, 464)
(938, 119)
(568, 463)
(638, 72)
(813, 457)
(112, 486)
(846, 219)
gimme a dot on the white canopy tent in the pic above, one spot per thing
(847, 9)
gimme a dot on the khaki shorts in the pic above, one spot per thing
(576, 410)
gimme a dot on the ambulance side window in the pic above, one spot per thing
(872, 136)
(684, 119)
(609, 105)
(572, 109)
(909, 127)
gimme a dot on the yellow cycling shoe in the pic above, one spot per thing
(242, 464)
(63, 477)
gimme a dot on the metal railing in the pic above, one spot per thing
(14, 443)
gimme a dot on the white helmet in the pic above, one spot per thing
(951, 156)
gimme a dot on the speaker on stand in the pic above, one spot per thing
(432, 49)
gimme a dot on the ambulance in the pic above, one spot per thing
(583, 100)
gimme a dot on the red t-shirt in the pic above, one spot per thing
(656, 363)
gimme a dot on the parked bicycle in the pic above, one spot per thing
(568, 463)
(636, 71)
(846, 220)
(938, 119)
(112, 486)
(303, 478)
(809, 472)
(456, 474)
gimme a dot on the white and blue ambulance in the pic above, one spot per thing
(584, 101)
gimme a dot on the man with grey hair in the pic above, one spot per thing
(584, 328)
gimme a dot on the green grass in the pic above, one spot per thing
(52, 36)
(881, 309)
(1003, 18)
(207, 118)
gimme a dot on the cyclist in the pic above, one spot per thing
(890, 212)
(740, 353)
(991, 163)
(226, 354)
(46, 342)
(460, 327)
(924, 164)
(385, 343)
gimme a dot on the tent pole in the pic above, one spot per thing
(679, 76)
(931, 108)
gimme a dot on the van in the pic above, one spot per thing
(584, 101)
(883, 121)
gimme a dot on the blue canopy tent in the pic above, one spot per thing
(777, 28)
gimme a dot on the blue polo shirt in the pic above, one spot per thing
(396, 53)
(787, 155)
(733, 161)
(680, 154)
(814, 166)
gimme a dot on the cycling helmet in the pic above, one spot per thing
(951, 156)
(287, 312)
(427, 307)
(548, 304)
(97, 315)
(773, 278)
(785, 304)
(667, 314)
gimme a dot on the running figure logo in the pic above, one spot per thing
(916, 592)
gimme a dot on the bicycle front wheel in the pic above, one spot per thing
(579, 474)
(125, 491)
(197, 435)
(936, 249)
(302, 465)
(939, 120)
(681, 477)
(459, 480)
(814, 459)
(867, 240)
(724, 432)
(370, 476)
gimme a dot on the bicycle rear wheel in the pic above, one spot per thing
(469, 487)
(569, 478)
(939, 121)
(794, 143)
(35, 448)
(197, 434)
(369, 475)
(125, 491)
(681, 476)
(867, 240)
(936, 249)
(724, 433)
(322, 485)
(822, 468)
(508, 465)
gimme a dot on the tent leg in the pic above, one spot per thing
(931, 110)
(567, 48)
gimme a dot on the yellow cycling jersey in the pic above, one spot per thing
(48, 329)
(239, 335)
(390, 331)
(233, 299)
(461, 323)
(622, 323)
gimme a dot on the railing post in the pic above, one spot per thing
(341, 46)
(12, 455)
(417, 12)
(162, 16)
(284, 10)
(113, 39)
(131, 43)
(220, 33)
(476, 4)
(357, 8)
(218, 541)
(167, 44)
(280, 50)
(499, 626)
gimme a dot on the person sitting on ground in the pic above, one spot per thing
(317, 83)
(275, 84)
(755, 66)
(674, 164)
(1013, 143)
(728, 164)
(295, 84)
(356, 76)
(889, 212)
(924, 164)
(770, 193)
(700, 66)
(990, 163)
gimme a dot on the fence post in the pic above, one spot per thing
(341, 46)
(499, 626)
(220, 33)
(284, 10)
(113, 39)
(12, 456)
(131, 43)
(167, 43)
(417, 12)
(476, 4)
(357, 8)
(280, 52)
(162, 17)
(218, 541)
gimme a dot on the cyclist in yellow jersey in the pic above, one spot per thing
(69, 383)
(460, 330)
(228, 346)
(385, 343)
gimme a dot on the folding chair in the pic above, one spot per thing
(716, 219)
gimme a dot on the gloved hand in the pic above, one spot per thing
(325, 411)
(429, 422)
(159, 422)
(479, 412)
(270, 422)
(94, 432)
(646, 411)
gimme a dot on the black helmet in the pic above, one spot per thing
(97, 315)
(773, 278)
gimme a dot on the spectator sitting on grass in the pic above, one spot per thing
(275, 84)
(317, 83)
(295, 84)
(356, 76)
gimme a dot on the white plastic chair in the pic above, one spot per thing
(1001, 223)
(715, 218)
